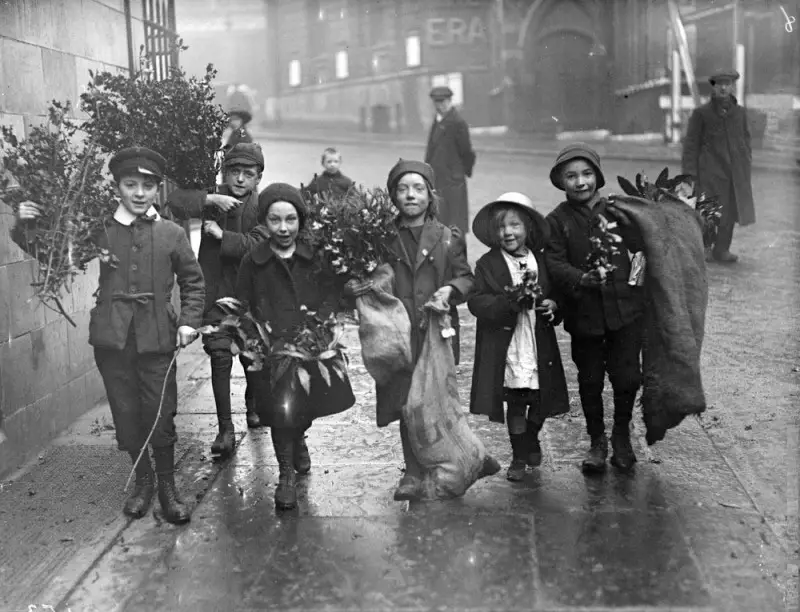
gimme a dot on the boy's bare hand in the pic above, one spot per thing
(547, 308)
(225, 203)
(28, 211)
(592, 279)
(186, 335)
(356, 288)
(212, 228)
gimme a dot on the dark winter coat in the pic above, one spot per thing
(220, 259)
(588, 311)
(440, 260)
(238, 135)
(151, 254)
(338, 184)
(496, 321)
(716, 149)
(274, 292)
(451, 155)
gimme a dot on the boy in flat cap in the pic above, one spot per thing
(603, 317)
(452, 158)
(134, 328)
(230, 230)
(717, 151)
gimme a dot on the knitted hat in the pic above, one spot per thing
(139, 160)
(482, 224)
(576, 150)
(406, 166)
(245, 154)
(281, 192)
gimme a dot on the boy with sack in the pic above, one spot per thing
(517, 359)
(134, 327)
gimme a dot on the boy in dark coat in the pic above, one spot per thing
(430, 263)
(230, 230)
(452, 158)
(331, 180)
(517, 359)
(603, 316)
(276, 279)
(717, 151)
(134, 327)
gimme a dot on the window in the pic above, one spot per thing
(455, 81)
(413, 51)
(342, 68)
(294, 73)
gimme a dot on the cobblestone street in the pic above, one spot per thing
(707, 522)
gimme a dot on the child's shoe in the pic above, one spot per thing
(595, 460)
(534, 447)
(623, 456)
(516, 471)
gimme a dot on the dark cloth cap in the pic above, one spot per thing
(245, 154)
(576, 150)
(405, 166)
(139, 160)
(244, 115)
(441, 93)
(281, 192)
(720, 75)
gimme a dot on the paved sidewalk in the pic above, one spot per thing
(518, 144)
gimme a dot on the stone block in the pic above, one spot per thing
(29, 429)
(107, 38)
(9, 251)
(81, 356)
(70, 404)
(95, 391)
(22, 78)
(25, 310)
(83, 288)
(50, 357)
(5, 310)
(60, 81)
(15, 375)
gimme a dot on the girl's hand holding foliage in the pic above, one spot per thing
(527, 294)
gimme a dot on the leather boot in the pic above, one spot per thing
(302, 458)
(253, 420)
(138, 503)
(623, 456)
(175, 511)
(286, 492)
(516, 471)
(408, 488)
(534, 457)
(595, 460)
(225, 441)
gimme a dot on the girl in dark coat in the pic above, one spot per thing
(517, 359)
(276, 279)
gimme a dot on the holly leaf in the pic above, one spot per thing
(628, 187)
(326, 375)
(339, 369)
(305, 379)
(663, 178)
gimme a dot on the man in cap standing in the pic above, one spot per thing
(716, 150)
(230, 230)
(452, 158)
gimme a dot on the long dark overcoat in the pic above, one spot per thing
(452, 158)
(440, 260)
(716, 149)
(495, 328)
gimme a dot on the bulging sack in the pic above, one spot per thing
(384, 328)
(451, 455)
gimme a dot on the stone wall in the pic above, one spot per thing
(47, 372)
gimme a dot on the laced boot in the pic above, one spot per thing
(302, 458)
(623, 456)
(286, 491)
(225, 441)
(534, 457)
(516, 471)
(138, 503)
(408, 489)
(595, 460)
(175, 511)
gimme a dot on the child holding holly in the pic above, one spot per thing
(517, 360)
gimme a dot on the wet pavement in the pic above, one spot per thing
(707, 522)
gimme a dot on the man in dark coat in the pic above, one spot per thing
(452, 158)
(230, 230)
(716, 150)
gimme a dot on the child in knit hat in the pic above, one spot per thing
(331, 180)
(603, 315)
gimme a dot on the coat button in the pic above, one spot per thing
(550, 363)
(134, 267)
(431, 258)
(424, 252)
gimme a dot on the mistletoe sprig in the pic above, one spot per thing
(527, 293)
(605, 244)
(680, 188)
(60, 169)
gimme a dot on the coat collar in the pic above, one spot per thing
(262, 252)
(438, 127)
(124, 217)
(431, 234)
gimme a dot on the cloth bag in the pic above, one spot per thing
(676, 289)
(384, 328)
(449, 452)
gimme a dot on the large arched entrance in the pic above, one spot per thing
(563, 79)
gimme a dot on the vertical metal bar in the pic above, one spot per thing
(159, 40)
(172, 24)
(129, 34)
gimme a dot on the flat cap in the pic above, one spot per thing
(245, 154)
(723, 75)
(140, 160)
(441, 93)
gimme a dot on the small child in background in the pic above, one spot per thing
(331, 180)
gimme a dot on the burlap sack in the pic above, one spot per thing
(441, 439)
(384, 328)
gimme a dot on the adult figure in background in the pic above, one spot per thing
(452, 158)
(717, 151)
